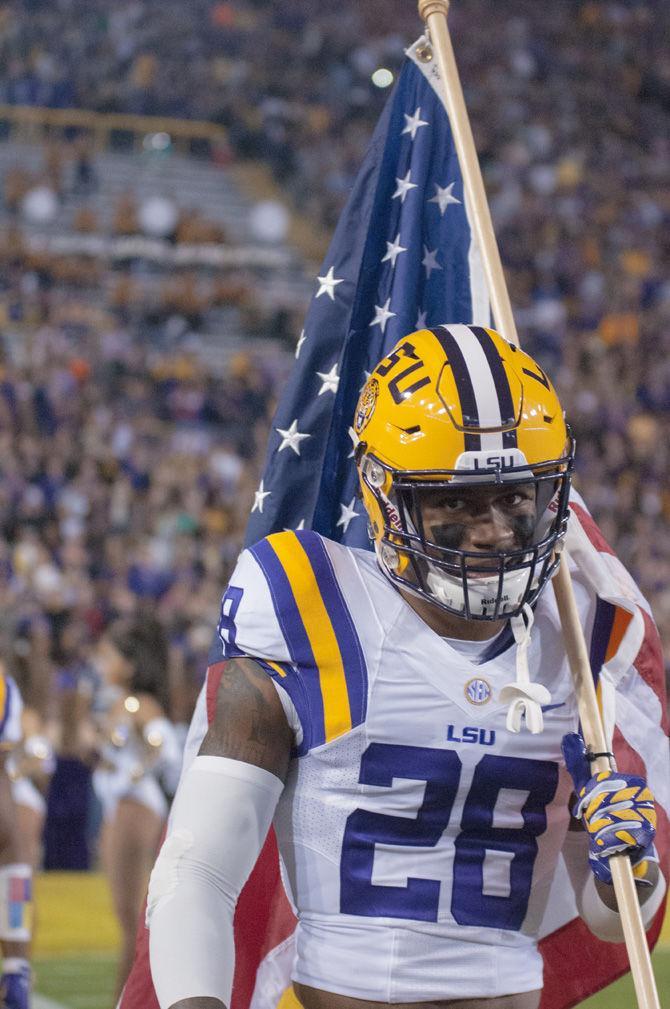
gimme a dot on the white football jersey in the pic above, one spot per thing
(419, 836)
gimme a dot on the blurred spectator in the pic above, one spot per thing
(84, 178)
(193, 228)
(16, 183)
(125, 216)
(569, 103)
(86, 220)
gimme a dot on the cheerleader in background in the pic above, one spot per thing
(139, 764)
(15, 872)
(30, 766)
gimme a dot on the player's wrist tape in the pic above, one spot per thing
(219, 821)
(16, 902)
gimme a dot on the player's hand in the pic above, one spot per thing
(15, 985)
(617, 811)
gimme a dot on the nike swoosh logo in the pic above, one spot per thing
(550, 707)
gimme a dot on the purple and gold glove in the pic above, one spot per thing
(617, 811)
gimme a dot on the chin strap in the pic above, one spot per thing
(526, 698)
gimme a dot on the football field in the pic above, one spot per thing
(77, 936)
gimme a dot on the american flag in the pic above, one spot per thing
(403, 257)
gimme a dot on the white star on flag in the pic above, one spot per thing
(259, 497)
(347, 513)
(328, 284)
(403, 187)
(430, 261)
(443, 197)
(382, 315)
(393, 250)
(412, 123)
(421, 320)
(300, 525)
(355, 440)
(291, 438)
(330, 380)
(300, 343)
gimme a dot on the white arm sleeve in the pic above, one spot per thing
(600, 919)
(218, 824)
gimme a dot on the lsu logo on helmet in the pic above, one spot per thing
(366, 405)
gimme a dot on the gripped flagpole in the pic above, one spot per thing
(434, 13)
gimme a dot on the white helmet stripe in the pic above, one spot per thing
(486, 395)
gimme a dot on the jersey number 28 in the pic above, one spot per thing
(441, 770)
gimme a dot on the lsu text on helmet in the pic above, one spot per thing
(452, 411)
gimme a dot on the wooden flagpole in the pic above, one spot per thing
(434, 13)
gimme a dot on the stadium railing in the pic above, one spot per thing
(108, 130)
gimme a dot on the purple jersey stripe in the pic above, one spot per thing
(292, 684)
(353, 660)
(304, 688)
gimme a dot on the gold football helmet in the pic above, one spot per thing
(451, 406)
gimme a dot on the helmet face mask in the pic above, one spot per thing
(421, 519)
(428, 558)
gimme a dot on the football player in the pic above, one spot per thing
(399, 716)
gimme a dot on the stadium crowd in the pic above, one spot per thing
(128, 470)
(126, 476)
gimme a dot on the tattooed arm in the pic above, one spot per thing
(249, 722)
(249, 727)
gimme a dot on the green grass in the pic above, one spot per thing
(86, 982)
(78, 982)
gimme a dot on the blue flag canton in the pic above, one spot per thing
(400, 260)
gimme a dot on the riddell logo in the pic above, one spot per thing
(494, 600)
(392, 515)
